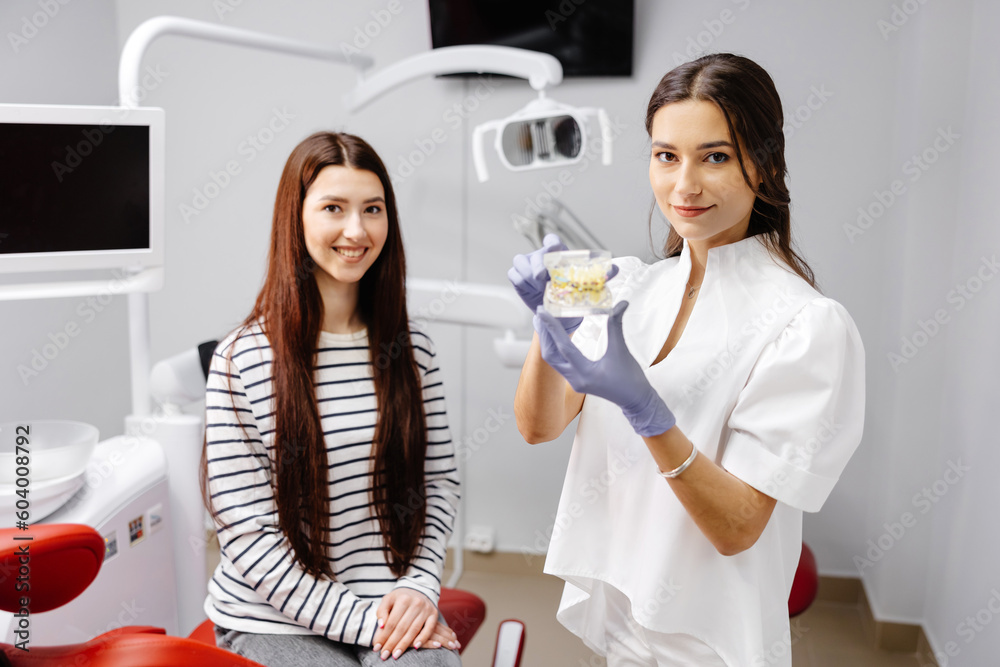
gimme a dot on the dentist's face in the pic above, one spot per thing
(695, 175)
(345, 223)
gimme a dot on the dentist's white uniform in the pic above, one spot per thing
(767, 380)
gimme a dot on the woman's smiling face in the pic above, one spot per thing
(345, 223)
(695, 175)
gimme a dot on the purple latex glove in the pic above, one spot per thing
(529, 276)
(616, 376)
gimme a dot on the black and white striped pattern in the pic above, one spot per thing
(256, 588)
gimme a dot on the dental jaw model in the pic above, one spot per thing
(577, 283)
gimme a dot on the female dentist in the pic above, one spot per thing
(723, 398)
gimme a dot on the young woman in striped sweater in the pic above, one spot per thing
(328, 465)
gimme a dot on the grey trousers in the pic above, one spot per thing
(317, 651)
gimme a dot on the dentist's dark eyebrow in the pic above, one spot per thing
(335, 198)
(710, 144)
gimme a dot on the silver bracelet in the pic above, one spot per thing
(682, 467)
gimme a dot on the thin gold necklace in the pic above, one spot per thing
(690, 293)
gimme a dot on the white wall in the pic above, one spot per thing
(963, 596)
(886, 96)
(930, 78)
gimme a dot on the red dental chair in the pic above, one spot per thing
(805, 584)
(63, 559)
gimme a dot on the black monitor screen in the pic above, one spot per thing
(70, 188)
(589, 37)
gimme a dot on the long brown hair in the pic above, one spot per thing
(291, 308)
(746, 95)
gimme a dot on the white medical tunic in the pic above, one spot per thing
(767, 380)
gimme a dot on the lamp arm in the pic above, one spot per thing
(606, 136)
(130, 62)
(540, 69)
(478, 158)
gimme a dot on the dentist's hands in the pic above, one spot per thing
(529, 275)
(616, 376)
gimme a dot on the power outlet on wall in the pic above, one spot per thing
(481, 539)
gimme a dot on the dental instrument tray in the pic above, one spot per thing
(577, 284)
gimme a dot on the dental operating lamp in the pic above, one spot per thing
(543, 134)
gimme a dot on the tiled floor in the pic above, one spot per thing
(832, 635)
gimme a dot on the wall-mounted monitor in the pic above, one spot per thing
(81, 187)
(590, 38)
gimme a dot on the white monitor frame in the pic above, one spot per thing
(132, 259)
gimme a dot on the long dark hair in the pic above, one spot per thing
(746, 95)
(291, 307)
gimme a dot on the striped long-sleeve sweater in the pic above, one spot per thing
(255, 587)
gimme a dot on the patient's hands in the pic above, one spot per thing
(409, 618)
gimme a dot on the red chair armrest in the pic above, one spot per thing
(805, 585)
(463, 611)
(61, 560)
